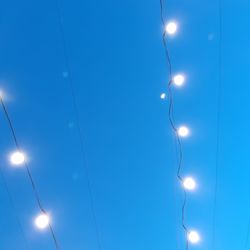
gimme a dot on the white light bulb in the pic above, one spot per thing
(17, 158)
(193, 237)
(163, 96)
(171, 28)
(42, 221)
(183, 131)
(179, 80)
(189, 183)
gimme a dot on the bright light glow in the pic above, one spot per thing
(171, 28)
(163, 96)
(1, 94)
(193, 237)
(189, 183)
(17, 158)
(42, 221)
(179, 80)
(183, 131)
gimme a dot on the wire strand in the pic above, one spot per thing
(77, 117)
(172, 123)
(218, 126)
(32, 182)
(18, 221)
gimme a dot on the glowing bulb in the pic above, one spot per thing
(193, 237)
(183, 131)
(189, 183)
(179, 80)
(17, 158)
(171, 28)
(163, 96)
(42, 221)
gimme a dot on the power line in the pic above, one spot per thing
(172, 123)
(32, 182)
(218, 125)
(77, 117)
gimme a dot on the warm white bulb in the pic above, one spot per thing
(183, 131)
(193, 237)
(17, 158)
(163, 96)
(179, 80)
(171, 28)
(42, 221)
(189, 183)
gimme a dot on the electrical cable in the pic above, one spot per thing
(218, 126)
(247, 236)
(33, 185)
(77, 117)
(172, 123)
(14, 209)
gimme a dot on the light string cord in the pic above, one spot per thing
(18, 221)
(218, 126)
(172, 123)
(33, 185)
(77, 117)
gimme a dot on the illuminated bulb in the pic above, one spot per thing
(171, 28)
(189, 183)
(17, 158)
(183, 131)
(163, 96)
(179, 80)
(42, 221)
(193, 237)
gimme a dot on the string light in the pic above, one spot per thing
(179, 80)
(163, 96)
(183, 131)
(17, 158)
(189, 183)
(193, 237)
(171, 28)
(42, 221)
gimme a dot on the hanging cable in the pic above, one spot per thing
(33, 185)
(77, 117)
(218, 126)
(172, 123)
(247, 236)
(14, 209)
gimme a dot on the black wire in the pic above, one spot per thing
(33, 185)
(14, 209)
(172, 123)
(77, 117)
(218, 125)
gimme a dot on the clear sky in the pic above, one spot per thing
(119, 70)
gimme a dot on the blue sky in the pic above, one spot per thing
(119, 71)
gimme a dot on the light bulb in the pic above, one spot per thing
(183, 131)
(189, 183)
(171, 28)
(17, 158)
(163, 96)
(42, 221)
(193, 237)
(179, 80)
